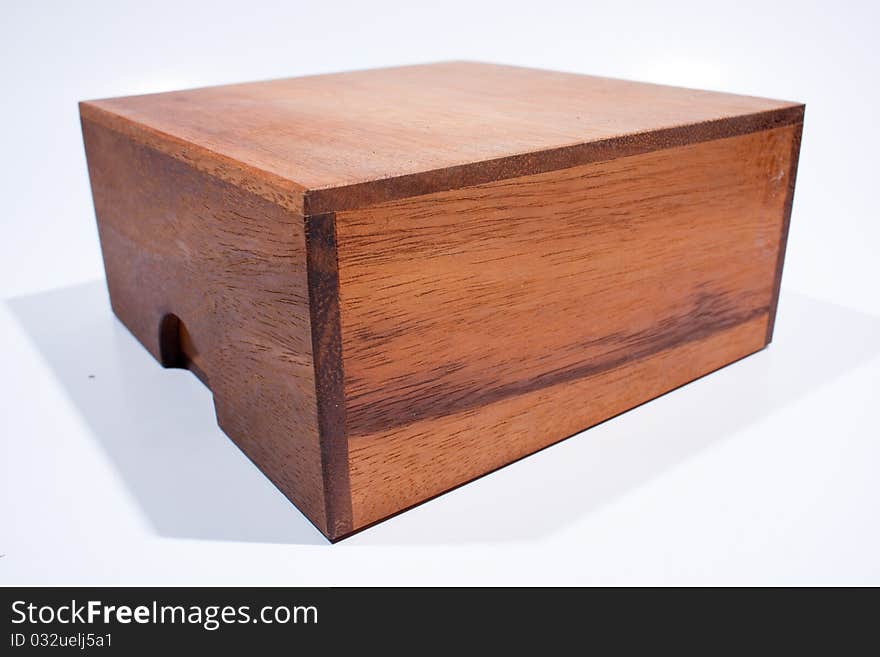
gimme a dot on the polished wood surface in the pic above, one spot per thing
(351, 139)
(457, 304)
(211, 277)
(395, 281)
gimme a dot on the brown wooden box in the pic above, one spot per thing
(395, 281)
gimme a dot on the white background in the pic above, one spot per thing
(113, 470)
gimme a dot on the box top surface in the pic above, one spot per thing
(357, 138)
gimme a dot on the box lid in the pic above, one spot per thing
(351, 139)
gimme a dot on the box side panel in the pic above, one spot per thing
(482, 324)
(229, 267)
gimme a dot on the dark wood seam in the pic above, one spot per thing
(531, 452)
(362, 195)
(323, 283)
(786, 221)
(445, 400)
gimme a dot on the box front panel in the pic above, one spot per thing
(482, 324)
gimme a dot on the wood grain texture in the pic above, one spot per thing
(794, 157)
(395, 281)
(327, 349)
(231, 268)
(364, 137)
(403, 466)
(459, 304)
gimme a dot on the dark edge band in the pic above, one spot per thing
(323, 282)
(786, 221)
(361, 195)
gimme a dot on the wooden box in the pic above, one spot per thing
(395, 281)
